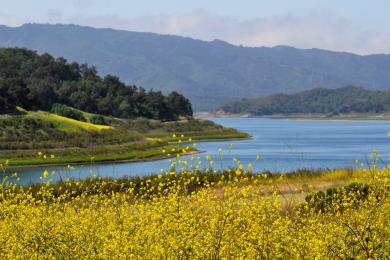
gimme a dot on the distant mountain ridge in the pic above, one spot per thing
(344, 100)
(209, 73)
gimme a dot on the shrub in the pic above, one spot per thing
(66, 111)
(337, 199)
(98, 120)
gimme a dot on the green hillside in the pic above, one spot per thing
(330, 102)
(41, 82)
(24, 136)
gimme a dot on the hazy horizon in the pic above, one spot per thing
(348, 26)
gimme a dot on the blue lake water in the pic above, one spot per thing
(283, 145)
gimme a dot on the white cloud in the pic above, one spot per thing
(11, 20)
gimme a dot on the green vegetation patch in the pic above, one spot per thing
(330, 102)
(41, 82)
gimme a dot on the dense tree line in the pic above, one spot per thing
(316, 101)
(35, 81)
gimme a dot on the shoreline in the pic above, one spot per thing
(160, 158)
(218, 140)
(157, 158)
(346, 117)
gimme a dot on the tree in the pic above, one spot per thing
(180, 105)
(41, 93)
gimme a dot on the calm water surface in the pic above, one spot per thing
(282, 144)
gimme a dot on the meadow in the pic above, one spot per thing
(73, 141)
(187, 213)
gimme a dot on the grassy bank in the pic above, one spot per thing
(22, 137)
(112, 153)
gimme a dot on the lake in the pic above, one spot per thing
(283, 145)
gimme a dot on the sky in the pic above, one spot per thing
(357, 26)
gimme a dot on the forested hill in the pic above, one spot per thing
(39, 82)
(316, 101)
(208, 73)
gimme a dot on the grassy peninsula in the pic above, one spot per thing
(69, 112)
(23, 136)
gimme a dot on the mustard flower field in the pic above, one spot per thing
(188, 213)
